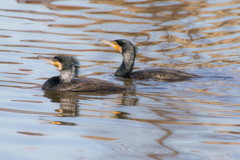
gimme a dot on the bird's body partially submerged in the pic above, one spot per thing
(81, 85)
(128, 51)
(162, 74)
(67, 80)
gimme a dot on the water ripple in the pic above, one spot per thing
(157, 120)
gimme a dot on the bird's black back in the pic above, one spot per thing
(87, 85)
(162, 74)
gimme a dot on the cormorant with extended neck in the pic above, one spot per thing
(128, 51)
(68, 81)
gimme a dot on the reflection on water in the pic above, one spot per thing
(70, 101)
(197, 119)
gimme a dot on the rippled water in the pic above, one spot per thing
(197, 119)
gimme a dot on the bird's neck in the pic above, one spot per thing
(68, 75)
(127, 64)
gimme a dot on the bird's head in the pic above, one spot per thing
(121, 45)
(68, 66)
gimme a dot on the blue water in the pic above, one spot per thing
(196, 119)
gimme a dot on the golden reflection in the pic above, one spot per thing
(228, 132)
(54, 48)
(35, 1)
(168, 133)
(209, 102)
(151, 9)
(31, 19)
(20, 84)
(100, 138)
(54, 42)
(65, 7)
(30, 133)
(224, 143)
(3, 36)
(27, 101)
(44, 32)
(126, 34)
(26, 111)
(71, 25)
(60, 123)
(191, 8)
(226, 115)
(4, 62)
(159, 14)
(159, 122)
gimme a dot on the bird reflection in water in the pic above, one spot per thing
(129, 97)
(70, 103)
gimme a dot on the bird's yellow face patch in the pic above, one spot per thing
(116, 46)
(57, 64)
(113, 44)
(52, 61)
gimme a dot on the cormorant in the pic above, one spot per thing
(68, 81)
(128, 51)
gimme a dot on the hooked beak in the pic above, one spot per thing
(50, 61)
(112, 44)
(107, 42)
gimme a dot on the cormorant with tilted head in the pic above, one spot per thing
(128, 51)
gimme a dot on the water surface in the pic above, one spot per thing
(196, 119)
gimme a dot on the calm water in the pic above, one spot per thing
(195, 120)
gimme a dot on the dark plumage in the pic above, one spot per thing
(128, 51)
(67, 80)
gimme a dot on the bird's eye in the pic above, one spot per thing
(55, 59)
